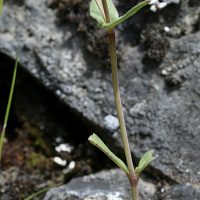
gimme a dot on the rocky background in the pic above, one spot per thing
(65, 54)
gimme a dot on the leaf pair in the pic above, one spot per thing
(97, 12)
(146, 159)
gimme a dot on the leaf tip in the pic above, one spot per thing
(146, 159)
(93, 138)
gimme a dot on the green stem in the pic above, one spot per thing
(133, 179)
(8, 109)
(120, 114)
(1, 7)
(134, 191)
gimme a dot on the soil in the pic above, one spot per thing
(29, 149)
(76, 12)
(147, 29)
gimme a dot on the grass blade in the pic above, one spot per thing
(8, 108)
(1, 7)
(96, 141)
(40, 192)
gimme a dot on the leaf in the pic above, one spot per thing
(40, 192)
(97, 11)
(8, 108)
(146, 159)
(127, 15)
(1, 7)
(96, 141)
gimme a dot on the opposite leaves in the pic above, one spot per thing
(97, 12)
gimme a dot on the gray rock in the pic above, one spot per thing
(111, 122)
(160, 4)
(105, 185)
(162, 112)
(182, 192)
(170, 123)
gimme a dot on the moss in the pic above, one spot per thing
(37, 136)
(39, 161)
(155, 42)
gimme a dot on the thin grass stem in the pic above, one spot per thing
(8, 108)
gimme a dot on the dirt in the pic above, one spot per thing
(28, 158)
(76, 12)
(194, 3)
(145, 28)
(155, 41)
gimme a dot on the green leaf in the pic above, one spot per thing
(8, 108)
(1, 7)
(96, 141)
(127, 15)
(146, 159)
(40, 192)
(97, 11)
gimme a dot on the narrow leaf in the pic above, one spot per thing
(118, 20)
(40, 192)
(127, 15)
(146, 159)
(1, 7)
(96, 141)
(97, 11)
(8, 108)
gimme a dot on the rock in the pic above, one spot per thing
(105, 185)
(162, 112)
(162, 4)
(182, 192)
(15, 179)
(111, 122)
(163, 117)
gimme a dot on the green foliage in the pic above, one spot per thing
(1, 7)
(97, 12)
(96, 141)
(146, 159)
(8, 108)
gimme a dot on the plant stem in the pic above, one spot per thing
(134, 191)
(2, 136)
(120, 114)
